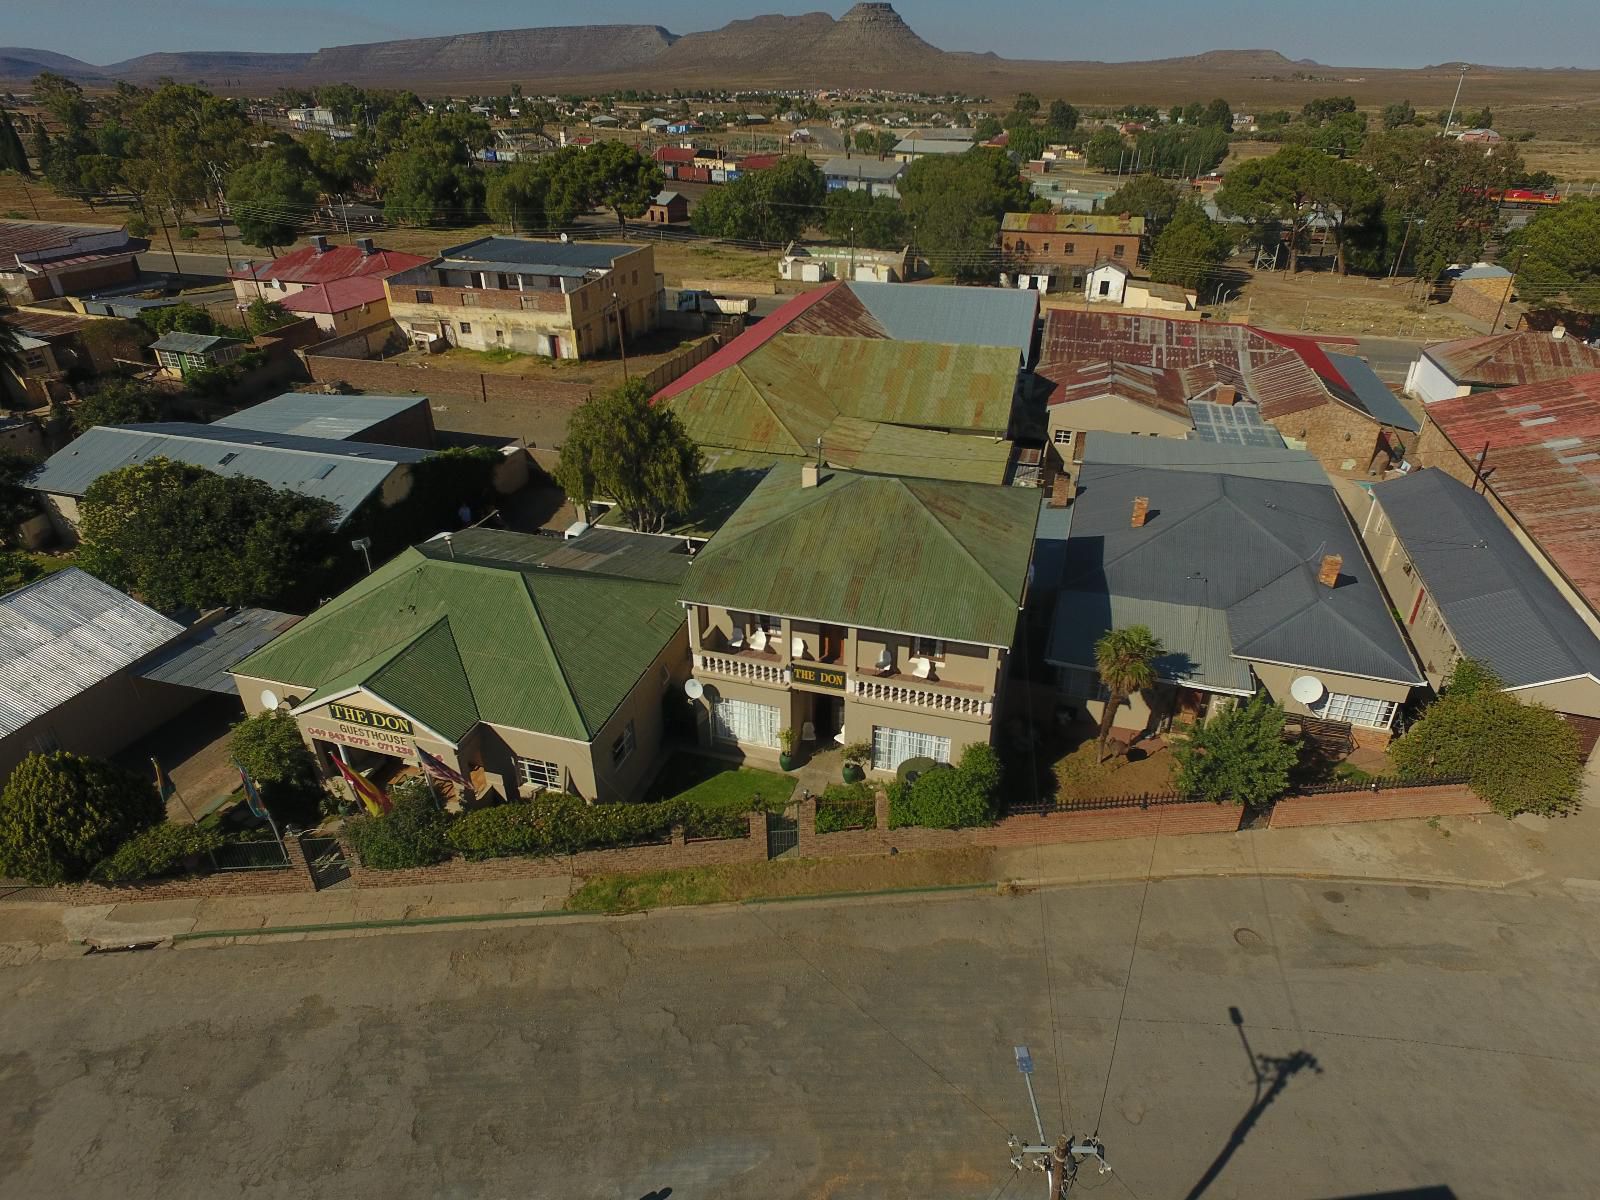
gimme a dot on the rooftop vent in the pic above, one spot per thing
(368, 247)
(319, 243)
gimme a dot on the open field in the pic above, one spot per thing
(1323, 302)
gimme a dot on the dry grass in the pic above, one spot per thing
(1080, 777)
(1321, 302)
(679, 261)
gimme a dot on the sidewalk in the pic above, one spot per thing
(1532, 854)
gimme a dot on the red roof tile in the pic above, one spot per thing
(751, 339)
(1543, 464)
(305, 265)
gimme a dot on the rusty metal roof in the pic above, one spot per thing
(838, 314)
(44, 325)
(1072, 222)
(29, 237)
(1543, 464)
(1152, 387)
(306, 265)
(1512, 359)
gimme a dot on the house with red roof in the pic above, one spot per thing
(339, 287)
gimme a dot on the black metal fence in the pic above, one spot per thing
(249, 856)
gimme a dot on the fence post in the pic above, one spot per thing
(880, 810)
(298, 863)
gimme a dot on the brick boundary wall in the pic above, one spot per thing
(295, 879)
(1446, 800)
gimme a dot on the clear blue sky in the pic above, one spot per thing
(1547, 33)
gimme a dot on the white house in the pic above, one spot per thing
(1107, 283)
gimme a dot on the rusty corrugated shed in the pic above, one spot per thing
(838, 314)
(1512, 359)
(1543, 464)
(1157, 388)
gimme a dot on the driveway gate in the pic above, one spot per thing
(783, 834)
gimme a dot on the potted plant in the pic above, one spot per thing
(856, 757)
(786, 748)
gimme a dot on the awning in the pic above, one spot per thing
(203, 658)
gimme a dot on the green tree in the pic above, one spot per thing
(1277, 191)
(1558, 256)
(1190, 249)
(118, 402)
(1125, 660)
(180, 318)
(272, 196)
(182, 138)
(17, 569)
(867, 142)
(774, 205)
(1517, 757)
(1027, 105)
(965, 796)
(410, 834)
(1218, 115)
(1326, 108)
(1398, 114)
(1105, 150)
(17, 501)
(986, 128)
(621, 447)
(1062, 119)
(1238, 756)
(60, 814)
(954, 204)
(182, 537)
(515, 196)
(263, 316)
(13, 157)
(269, 748)
(340, 165)
(858, 218)
(618, 177)
(1156, 200)
(1025, 141)
(1348, 198)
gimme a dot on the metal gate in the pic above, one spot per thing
(326, 859)
(783, 834)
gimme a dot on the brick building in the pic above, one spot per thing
(1063, 247)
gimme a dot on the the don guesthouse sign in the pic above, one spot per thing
(365, 729)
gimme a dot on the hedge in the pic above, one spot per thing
(158, 851)
(950, 799)
(847, 806)
(557, 823)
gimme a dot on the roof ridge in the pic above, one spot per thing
(567, 696)
(822, 494)
(777, 415)
(950, 534)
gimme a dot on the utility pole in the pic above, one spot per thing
(622, 345)
(1450, 120)
(1059, 1160)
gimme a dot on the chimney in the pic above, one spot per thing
(810, 475)
(319, 243)
(1227, 393)
(1328, 573)
(1061, 490)
(1141, 510)
(1559, 332)
(366, 245)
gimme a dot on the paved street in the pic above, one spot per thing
(831, 1050)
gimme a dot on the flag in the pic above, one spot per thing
(369, 793)
(434, 765)
(165, 788)
(252, 794)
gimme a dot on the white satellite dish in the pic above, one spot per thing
(269, 700)
(693, 689)
(1307, 689)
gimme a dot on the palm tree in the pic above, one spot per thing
(1125, 659)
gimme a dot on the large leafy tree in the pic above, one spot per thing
(429, 179)
(17, 501)
(858, 218)
(61, 814)
(118, 402)
(516, 195)
(1277, 192)
(13, 157)
(621, 447)
(1239, 756)
(954, 203)
(1190, 249)
(774, 205)
(272, 196)
(1557, 255)
(618, 177)
(1145, 196)
(183, 141)
(1518, 757)
(1125, 659)
(183, 537)
(1105, 149)
(1348, 198)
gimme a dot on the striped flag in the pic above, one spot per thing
(437, 767)
(369, 793)
(252, 794)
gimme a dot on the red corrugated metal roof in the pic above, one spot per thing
(336, 262)
(1543, 464)
(758, 162)
(676, 154)
(334, 297)
(751, 339)
(1511, 359)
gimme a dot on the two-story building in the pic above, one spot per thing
(557, 299)
(1065, 246)
(851, 607)
(338, 287)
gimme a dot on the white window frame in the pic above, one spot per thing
(1081, 683)
(1365, 711)
(622, 749)
(1062, 437)
(539, 772)
(891, 747)
(745, 722)
(930, 648)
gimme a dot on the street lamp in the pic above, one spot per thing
(1450, 120)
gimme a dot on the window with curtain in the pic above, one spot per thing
(742, 721)
(891, 747)
(1358, 710)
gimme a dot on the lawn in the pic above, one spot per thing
(716, 786)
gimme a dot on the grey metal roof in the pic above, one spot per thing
(926, 145)
(61, 635)
(339, 418)
(602, 551)
(343, 473)
(1232, 425)
(508, 267)
(191, 343)
(1499, 606)
(1221, 538)
(1199, 650)
(973, 316)
(525, 252)
(1371, 394)
(1254, 462)
(203, 659)
(875, 170)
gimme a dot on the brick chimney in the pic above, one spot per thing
(1227, 393)
(810, 475)
(1060, 490)
(1141, 510)
(1328, 573)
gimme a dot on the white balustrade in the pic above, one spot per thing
(917, 697)
(739, 668)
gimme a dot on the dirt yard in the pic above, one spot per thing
(1147, 768)
(1322, 302)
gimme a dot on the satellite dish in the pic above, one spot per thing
(269, 700)
(1307, 689)
(693, 689)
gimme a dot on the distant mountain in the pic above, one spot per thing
(211, 65)
(21, 62)
(869, 41)
(508, 53)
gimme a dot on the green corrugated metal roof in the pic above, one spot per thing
(921, 556)
(527, 646)
(899, 450)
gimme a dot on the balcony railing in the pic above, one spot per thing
(739, 668)
(921, 697)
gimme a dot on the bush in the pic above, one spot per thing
(188, 232)
(948, 799)
(1239, 756)
(847, 806)
(61, 814)
(411, 834)
(158, 851)
(558, 823)
(269, 748)
(138, 227)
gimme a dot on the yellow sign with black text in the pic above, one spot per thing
(369, 719)
(822, 677)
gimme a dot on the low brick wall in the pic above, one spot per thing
(1335, 808)
(676, 853)
(292, 880)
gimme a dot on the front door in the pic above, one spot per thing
(829, 717)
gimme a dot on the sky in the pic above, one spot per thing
(1369, 33)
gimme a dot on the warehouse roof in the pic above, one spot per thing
(340, 418)
(343, 473)
(1509, 359)
(513, 630)
(1500, 607)
(870, 170)
(914, 556)
(61, 635)
(1230, 540)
